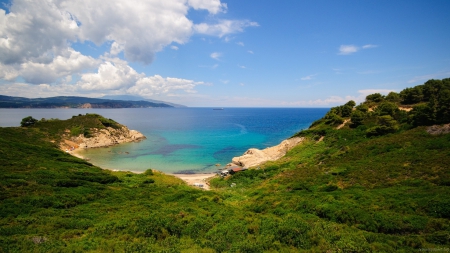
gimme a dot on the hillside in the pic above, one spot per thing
(138, 98)
(380, 183)
(74, 102)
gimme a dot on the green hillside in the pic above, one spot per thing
(379, 183)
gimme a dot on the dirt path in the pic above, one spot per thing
(343, 124)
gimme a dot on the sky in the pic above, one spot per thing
(222, 53)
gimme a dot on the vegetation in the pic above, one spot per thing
(74, 102)
(378, 184)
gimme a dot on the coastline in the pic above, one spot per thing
(190, 179)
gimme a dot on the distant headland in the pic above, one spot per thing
(82, 102)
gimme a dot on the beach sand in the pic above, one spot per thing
(191, 179)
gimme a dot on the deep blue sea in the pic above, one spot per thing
(193, 140)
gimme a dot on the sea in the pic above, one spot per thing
(184, 140)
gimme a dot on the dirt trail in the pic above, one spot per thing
(343, 124)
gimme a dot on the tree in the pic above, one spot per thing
(28, 121)
(376, 97)
(393, 97)
(346, 110)
(412, 95)
(422, 115)
(357, 118)
(332, 118)
(351, 103)
(363, 108)
(387, 124)
(387, 108)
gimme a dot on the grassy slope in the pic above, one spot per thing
(347, 193)
(391, 191)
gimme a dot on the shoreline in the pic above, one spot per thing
(190, 179)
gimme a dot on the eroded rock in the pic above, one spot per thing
(254, 157)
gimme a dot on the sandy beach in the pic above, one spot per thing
(192, 179)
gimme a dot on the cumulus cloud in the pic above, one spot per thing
(68, 63)
(149, 86)
(35, 33)
(33, 30)
(116, 48)
(37, 41)
(113, 74)
(213, 6)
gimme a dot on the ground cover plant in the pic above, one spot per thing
(379, 183)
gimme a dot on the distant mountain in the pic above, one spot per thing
(75, 102)
(138, 98)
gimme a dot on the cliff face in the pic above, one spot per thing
(103, 138)
(254, 157)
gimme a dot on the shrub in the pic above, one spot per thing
(28, 121)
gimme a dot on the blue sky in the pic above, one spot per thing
(222, 53)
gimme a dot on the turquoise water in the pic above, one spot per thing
(184, 139)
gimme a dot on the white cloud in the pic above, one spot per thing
(213, 6)
(216, 55)
(36, 39)
(224, 27)
(242, 67)
(41, 90)
(68, 63)
(250, 52)
(113, 74)
(240, 43)
(116, 48)
(369, 46)
(32, 30)
(149, 86)
(348, 49)
(9, 72)
(310, 77)
(36, 32)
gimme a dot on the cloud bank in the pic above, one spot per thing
(37, 41)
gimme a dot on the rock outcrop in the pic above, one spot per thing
(254, 157)
(103, 138)
(439, 129)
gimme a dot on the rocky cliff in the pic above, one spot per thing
(254, 157)
(102, 138)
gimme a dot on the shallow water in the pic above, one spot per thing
(184, 139)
